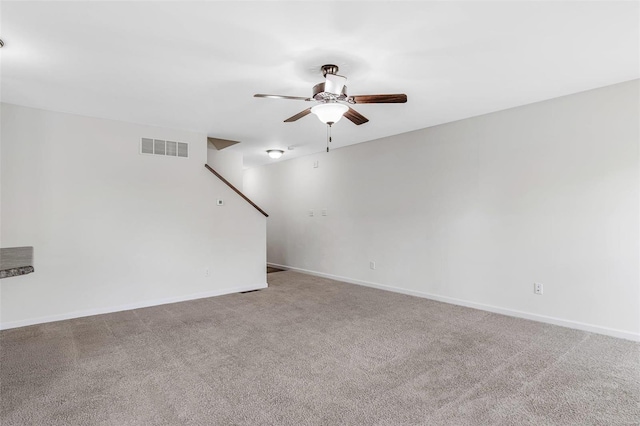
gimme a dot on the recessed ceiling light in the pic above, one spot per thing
(275, 153)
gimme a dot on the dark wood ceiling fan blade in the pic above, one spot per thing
(398, 98)
(295, 98)
(355, 117)
(298, 116)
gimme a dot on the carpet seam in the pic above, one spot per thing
(536, 378)
(558, 359)
(503, 366)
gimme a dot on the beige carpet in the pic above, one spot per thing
(310, 351)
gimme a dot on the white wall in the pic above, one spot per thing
(228, 163)
(475, 211)
(114, 229)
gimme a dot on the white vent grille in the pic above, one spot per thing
(165, 148)
(172, 148)
(183, 149)
(146, 146)
(158, 147)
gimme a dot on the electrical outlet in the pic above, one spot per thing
(324, 212)
(537, 288)
(207, 272)
(310, 213)
(372, 264)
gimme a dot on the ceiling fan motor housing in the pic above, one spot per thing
(320, 95)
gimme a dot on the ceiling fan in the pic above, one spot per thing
(332, 100)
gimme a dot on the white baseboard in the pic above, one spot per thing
(495, 309)
(127, 307)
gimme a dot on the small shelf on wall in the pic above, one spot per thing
(16, 261)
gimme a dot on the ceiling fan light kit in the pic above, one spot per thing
(329, 113)
(275, 153)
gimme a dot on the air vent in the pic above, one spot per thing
(165, 148)
(146, 147)
(158, 147)
(183, 149)
(172, 148)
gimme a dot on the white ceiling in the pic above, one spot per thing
(196, 65)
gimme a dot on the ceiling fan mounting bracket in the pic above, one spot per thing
(329, 69)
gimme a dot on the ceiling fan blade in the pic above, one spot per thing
(295, 98)
(298, 116)
(398, 98)
(355, 117)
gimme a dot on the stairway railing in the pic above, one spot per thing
(236, 190)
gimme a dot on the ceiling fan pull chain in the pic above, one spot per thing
(328, 135)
